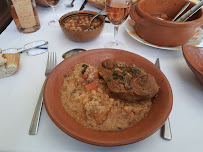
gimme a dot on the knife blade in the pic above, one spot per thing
(166, 128)
(83, 5)
(157, 63)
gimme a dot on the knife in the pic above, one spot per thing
(166, 128)
(83, 5)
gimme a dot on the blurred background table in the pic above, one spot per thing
(19, 93)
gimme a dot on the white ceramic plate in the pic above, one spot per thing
(195, 40)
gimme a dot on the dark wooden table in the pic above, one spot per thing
(5, 15)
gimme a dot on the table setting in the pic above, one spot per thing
(34, 114)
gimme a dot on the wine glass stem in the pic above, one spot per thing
(54, 12)
(115, 34)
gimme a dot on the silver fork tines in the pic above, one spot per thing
(51, 64)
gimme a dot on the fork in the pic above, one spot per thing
(51, 64)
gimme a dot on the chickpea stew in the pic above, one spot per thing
(81, 22)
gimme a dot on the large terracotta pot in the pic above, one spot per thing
(164, 32)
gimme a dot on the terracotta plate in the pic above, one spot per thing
(155, 118)
(194, 58)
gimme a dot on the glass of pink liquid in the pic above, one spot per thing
(117, 12)
(53, 3)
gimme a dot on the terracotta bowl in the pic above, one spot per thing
(82, 36)
(42, 3)
(154, 119)
(164, 32)
(194, 58)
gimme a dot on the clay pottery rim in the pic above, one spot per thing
(194, 23)
(189, 53)
(154, 119)
(97, 4)
(101, 6)
(102, 19)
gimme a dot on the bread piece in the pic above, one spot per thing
(2, 60)
(10, 66)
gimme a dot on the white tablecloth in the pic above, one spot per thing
(19, 93)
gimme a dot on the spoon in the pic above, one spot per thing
(72, 52)
(186, 6)
(166, 17)
(190, 12)
(88, 26)
(70, 5)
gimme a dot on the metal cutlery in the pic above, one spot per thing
(51, 64)
(72, 52)
(94, 18)
(184, 8)
(190, 12)
(166, 128)
(70, 5)
(83, 5)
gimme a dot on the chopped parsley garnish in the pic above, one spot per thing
(84, 65)
(131, 88)
(136, 68)
(131, 66)
(115, 72)
(119, 128)
(122, 67)
(85, 68)
(115, 78)
(124, 73)
(108, 79)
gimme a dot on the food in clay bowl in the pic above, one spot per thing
(194, 58)
(164, 32)
(83, 97)
(75, 25)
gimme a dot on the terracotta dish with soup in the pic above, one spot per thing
(75, 25)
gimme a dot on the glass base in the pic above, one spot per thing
(54, 23)
(115, 45)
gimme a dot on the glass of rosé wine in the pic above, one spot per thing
(117, 12)
(53, 3)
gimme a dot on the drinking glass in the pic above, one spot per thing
(117, 12)
(53, 3)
